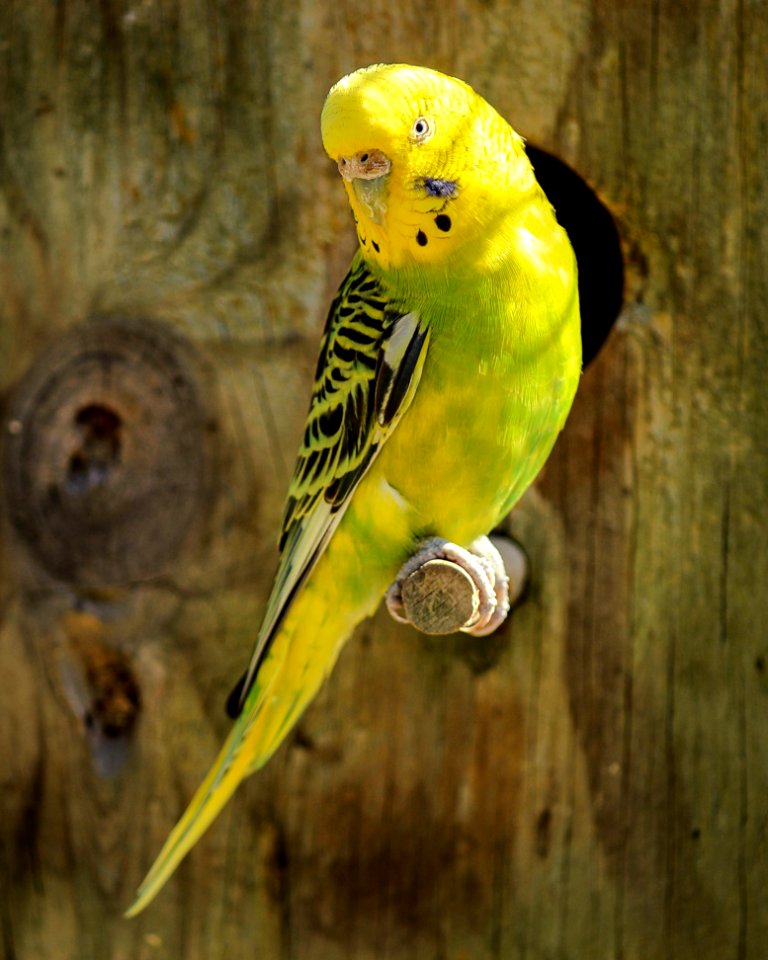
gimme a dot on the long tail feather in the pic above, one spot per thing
(231, 766)
(344, 589)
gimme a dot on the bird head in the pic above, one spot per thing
(426, 162)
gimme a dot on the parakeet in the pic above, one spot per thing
(449, 362)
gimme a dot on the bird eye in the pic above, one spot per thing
(421, 129)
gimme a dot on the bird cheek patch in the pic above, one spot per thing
(440, 188)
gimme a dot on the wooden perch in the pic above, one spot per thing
(440, 597)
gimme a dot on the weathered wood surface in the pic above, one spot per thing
(591, 783)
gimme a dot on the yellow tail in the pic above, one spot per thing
(221, 782)
(343, 589)
(301, 655)
(268, 715)
(255, 736)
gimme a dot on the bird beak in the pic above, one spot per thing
(368, 175)
(367, 165)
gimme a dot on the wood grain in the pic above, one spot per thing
(590, 782)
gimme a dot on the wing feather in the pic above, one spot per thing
(370, 363)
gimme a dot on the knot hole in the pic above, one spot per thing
(100, 434)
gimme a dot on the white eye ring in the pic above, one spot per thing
(421, 130)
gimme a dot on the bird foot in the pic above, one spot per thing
(444, 587)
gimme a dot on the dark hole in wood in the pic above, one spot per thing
(595, 239)
(105, 455)
(90, 464)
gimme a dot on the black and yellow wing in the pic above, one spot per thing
(370, 362)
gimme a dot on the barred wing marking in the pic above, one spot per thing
(370, 363)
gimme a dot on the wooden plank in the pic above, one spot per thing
(591, 782)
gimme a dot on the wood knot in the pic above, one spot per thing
(100, 686)
(106, 453)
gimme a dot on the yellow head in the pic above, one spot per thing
(430, 168)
